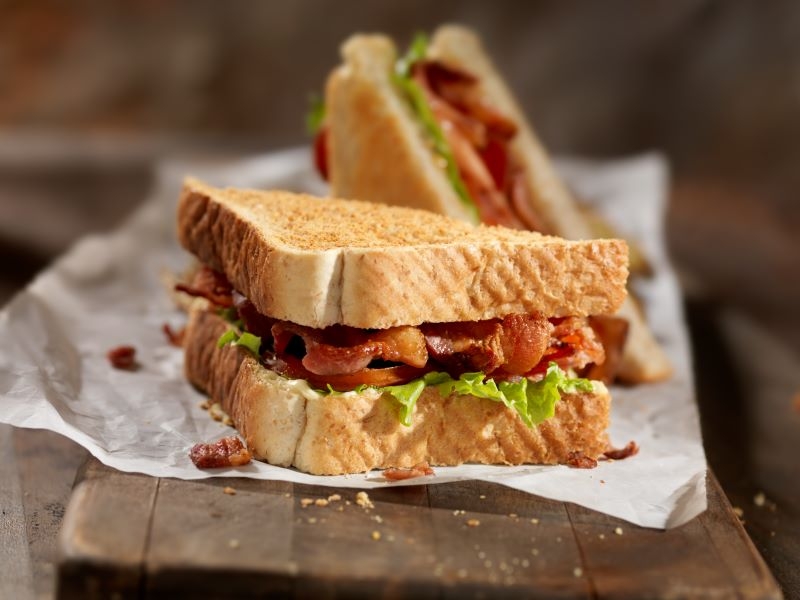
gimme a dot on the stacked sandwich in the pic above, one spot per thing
(342, 336)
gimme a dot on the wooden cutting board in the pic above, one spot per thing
(133, 536)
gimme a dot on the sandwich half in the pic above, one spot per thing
(438, 129)
(342, 336)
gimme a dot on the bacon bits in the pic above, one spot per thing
(578, 460)
(395, 474)
(173, 337)
(123, 357)
(227, 452)
(630, 449)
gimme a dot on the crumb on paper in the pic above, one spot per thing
(578, 460)
(227, 452)
(215, 411)
(362, 499)
(123, 358)
(229, 490)
(305, 502)
(618, 530)
(759, 499)
(630, 449)
(473, 522)
(204, 405)
(376, 535)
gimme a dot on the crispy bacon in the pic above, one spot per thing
(578, 460)
(227, 452)
(211, 285)
(123, 357)
(630, 449)
(292, 367)
(175, 338)
(422, 469)
(341, 350)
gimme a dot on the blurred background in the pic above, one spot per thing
(93, 93)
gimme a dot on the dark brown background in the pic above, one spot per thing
(92, 93)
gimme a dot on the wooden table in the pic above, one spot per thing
(746, 348)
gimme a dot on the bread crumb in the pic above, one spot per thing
(216, 412)
(362, 499)
(473, 522)
(376, 535)
(229, 490)
(321, 502)
(340, 509)
(535, 551)
(306, 502)
(759, 499)
(226, 420)
(738, 511)
(234, 543)
(482, 496)
(377, 519)
(602, 536)
(535, 521)
(512, 515)
(577, 571)
(312, 520)
(334, 498)
(204, 405)
(287, 495)
(618, 531)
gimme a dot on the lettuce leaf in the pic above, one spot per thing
(245, 339)
(316, 114)
(402, 78)
(534, 401)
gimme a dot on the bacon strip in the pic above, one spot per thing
(211, 285)
(341, 350)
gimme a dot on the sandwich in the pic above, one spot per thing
(438, 129)
(342, 336)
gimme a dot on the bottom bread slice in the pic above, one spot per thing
(286, 423)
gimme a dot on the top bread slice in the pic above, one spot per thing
(320, 262)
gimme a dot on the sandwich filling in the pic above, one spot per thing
(491, 358)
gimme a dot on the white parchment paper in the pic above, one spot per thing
(106, 292)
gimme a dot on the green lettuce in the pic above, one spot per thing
(402, 78)
(534, 401)
(245, 339)
(316, 114)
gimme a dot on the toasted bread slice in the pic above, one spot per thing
(319, 262)
(287, 423)
(377, 152)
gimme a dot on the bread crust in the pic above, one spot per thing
(398, 269)
(288, 424)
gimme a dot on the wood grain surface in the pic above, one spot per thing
(156, 538)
